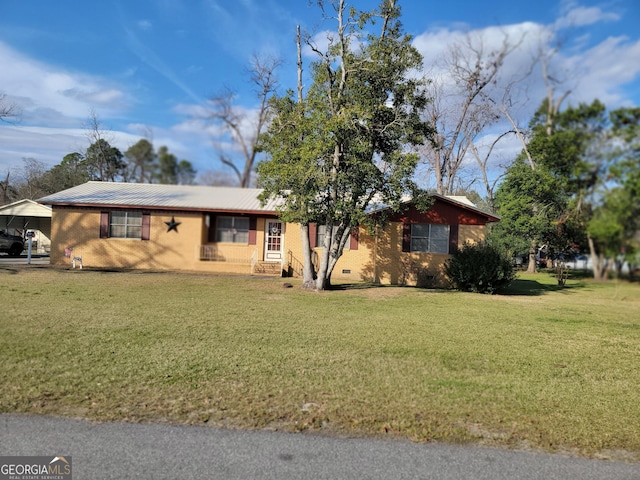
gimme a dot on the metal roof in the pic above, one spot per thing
(155, 196)
(190, 197)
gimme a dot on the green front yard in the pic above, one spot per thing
(537, 367)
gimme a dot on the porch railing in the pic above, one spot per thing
(254, 260)
(295, 267)
(240, 254)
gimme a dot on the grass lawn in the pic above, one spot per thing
(536, 367)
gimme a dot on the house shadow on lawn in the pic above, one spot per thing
(534, 288)
(519, 287)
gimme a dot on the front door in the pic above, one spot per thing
(273, 241)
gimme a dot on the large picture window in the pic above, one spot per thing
(232, 229)
(429, 238)
(125, 224)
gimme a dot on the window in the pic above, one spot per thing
(232, 229)
(125, 224)
(320, 232)
(429, 238)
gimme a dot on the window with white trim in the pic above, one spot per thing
(125, 224)
(430, 238)
(232, 229)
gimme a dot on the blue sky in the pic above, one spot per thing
(145, 67)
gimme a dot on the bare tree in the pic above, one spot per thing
(215, 178)
(482, 160)
(460, 112)
(9, 111)
(553, 101)
(96, 135)
(32, 180)
(8, 192)
(105, 162)
(244, 127)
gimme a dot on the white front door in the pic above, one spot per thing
(273, 241)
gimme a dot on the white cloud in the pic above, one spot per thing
(320, 42)
(145, 25)
(36, 86)
(598, 72)
(605, 69)
(577, 16)
(47, 145)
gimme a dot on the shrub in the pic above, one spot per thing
(480, 268)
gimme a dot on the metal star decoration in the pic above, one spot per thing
(172, 225)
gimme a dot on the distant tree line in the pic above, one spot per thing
(140, 163)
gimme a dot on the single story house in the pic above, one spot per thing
(228, 230)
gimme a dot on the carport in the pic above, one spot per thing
(27, 215)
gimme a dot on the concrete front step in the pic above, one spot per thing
(268, 268)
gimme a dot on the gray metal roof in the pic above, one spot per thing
(187, 197)
(155, 196)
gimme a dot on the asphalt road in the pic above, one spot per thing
(23, 259)
(153, 451)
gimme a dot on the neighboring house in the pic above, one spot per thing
(28, 216)
(223, 229)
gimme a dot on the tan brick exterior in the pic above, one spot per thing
(79, 228)
(377, 258)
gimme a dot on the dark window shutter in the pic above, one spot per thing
(313, 230)
(211, 236)
(252, 230)
(453, 238)
(353, 241)
(104, 224)
(146, 226)
(406, 237)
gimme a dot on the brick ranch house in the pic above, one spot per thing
(227, 230)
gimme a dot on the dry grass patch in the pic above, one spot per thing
(537, 367)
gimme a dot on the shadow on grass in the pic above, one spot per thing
(9, 270)
(519, 287)
(533, 288)
(357, 286)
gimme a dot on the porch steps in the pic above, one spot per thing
(268, 268)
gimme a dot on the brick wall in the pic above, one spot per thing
(377, 258)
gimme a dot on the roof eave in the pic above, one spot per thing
(162, 208)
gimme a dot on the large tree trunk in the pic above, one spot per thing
(323, 282)
(531, 268)
(598, 263)
(338, 242)
(308, 270)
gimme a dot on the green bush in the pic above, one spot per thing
(480, 268)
